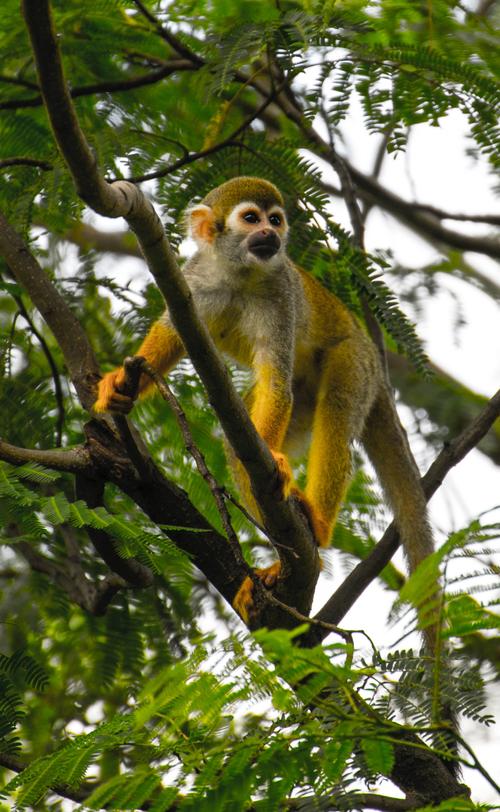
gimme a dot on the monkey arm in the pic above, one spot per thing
(162, 348)
(270, 405)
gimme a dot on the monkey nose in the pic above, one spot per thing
(265, 243)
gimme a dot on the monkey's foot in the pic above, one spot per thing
(109, 397)
(284, 471)
(321, 529)
(243, 602)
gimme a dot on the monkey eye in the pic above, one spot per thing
(251, 217)
(275, 219)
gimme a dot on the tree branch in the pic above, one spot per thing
(350, 801)
(119, 86)
(171, 39)
(441, 214)
(52, 365)
(92, 598)
(70, 460)
(22, 161)
(283, 519)
(78, 353)
(413, 215)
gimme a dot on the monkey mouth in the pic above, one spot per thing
(264, 244)
(263, 250)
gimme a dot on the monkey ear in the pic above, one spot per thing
(201, 224)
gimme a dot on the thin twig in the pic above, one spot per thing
(329, 627)
(171, 39)
(217, 490)
(22, 161)
(53, 368)
(119, 86)
(230, 141)
(377, 168)
(441, 214)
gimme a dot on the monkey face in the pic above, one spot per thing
(249, 235)
(256, 234)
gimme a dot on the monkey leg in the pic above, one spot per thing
(344, 398)
(243, 600)
(328, 473)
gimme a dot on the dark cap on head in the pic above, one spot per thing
(229, 194)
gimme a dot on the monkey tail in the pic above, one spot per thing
(387, 447)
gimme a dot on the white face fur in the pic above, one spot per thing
(254, 236)
(248, 216)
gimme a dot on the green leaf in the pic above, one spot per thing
(56, 508)
(379, 755)
(466, 616)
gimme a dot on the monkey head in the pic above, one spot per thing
(242, 221)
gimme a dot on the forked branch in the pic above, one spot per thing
(283, 519)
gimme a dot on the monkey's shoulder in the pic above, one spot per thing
(328, 316)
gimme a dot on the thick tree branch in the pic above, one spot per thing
(92, 597)
(411, 214)
(283, 519)
(350, 800)
(68, 331)
(88, 237)
(70, 460)
(364, 573)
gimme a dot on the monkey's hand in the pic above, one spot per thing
(321, 529)
(109, 396)
(243, 602)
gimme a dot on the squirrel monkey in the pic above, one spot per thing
(318, 381)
